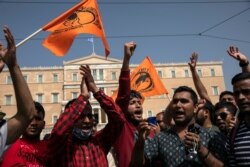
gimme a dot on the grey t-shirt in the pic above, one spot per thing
(3, 138)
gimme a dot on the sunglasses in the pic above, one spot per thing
(223, 115)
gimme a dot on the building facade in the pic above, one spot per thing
(55, 86)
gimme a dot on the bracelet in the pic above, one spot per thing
(243, 64)
(205, 157)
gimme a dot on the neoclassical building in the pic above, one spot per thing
(55, 86)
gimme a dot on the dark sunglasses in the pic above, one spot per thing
(223, 115)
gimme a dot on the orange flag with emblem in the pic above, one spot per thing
(145, 80)
(82, 18)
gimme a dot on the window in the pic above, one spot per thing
(199, 72)
(8, 99)
(212, 72)
(25, 77)
(160, 74)
(55, 97)
(9, 80)
(186, 73)
(173, 73)
(215, 90)
(98, 74)
(74, 77)
(113, 75)
(150, 114)
(94, 74)
(101, 77)
(40, 78)
(39, 97)
(96, 115)
(55, 77)
(54, 118)
(74, 95)
(91, 96)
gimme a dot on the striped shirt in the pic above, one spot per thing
(240, 154)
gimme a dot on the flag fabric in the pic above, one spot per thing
(91, 39)
(82, 18)
(145, 80)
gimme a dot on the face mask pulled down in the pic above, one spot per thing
(81, 135)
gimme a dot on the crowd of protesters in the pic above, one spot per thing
(192, 131)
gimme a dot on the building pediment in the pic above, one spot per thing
(92, 59)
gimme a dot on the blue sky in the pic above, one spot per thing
(166, 30)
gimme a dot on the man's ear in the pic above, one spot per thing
(196, 108)
(206, 113)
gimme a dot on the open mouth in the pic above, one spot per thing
(221, 124)
(86, 128)
(138, 113)
(179, 114)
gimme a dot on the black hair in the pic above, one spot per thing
(240, 76)
(210, 107)
(228, 105)
(69, 103)
(39, 108)
(187, 89)
(88, 107)
(226, 92)
(135, 94)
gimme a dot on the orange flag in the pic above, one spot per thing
(82, 18)
(145, 80)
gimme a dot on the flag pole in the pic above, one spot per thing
(168, 97)
(93, 45)
(30, 36)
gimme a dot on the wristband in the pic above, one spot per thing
(243, 64)
(205, 157)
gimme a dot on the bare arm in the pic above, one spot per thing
(25, 105)
(129, 49)
(205, 155)
(208, 158)
(202, 91)
(237, 55)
